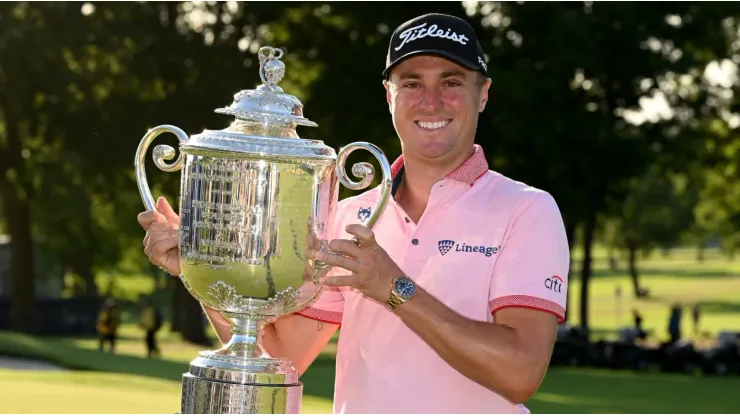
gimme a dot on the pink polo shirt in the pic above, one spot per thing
(484, 243)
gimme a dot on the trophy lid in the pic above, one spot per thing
(265, 122)
(268, 103)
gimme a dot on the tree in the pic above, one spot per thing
(655, 213)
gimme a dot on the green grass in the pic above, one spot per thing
(128, 382)
(570, 390)
(100, 376)
(714, 284)
(86, 392)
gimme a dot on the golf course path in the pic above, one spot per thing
(26, 364)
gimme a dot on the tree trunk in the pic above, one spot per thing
(17, 213)
(23, 277)
(188, 317)
(570, 233)
(588, 239)
(700, 254)
(178, 293)
(632, 251)
(88, 276)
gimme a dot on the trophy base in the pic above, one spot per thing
(219, 383)
(202, 396)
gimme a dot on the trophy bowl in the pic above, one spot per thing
(256, 201)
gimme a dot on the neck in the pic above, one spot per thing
(418, 178)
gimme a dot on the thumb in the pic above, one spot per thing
(165, 209)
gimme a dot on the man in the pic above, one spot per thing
(151, 322)
(109, 319)
(451, 303)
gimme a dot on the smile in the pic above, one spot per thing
(432, 125)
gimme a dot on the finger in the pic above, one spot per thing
(156, 239)
(339, 281)
(309, 254)
(147, 218)
(163, 206)
(311, 240)
(338, 260)
(161, 226)
(158, 228)
(160, 249)
(347, 247)
(363, 234)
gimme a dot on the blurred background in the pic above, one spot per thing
(625, 112)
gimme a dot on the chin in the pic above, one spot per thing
(433, 149)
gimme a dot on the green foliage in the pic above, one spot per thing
(82, 83)
(655, 213)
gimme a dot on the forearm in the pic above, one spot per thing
(220, 325)
(492, 355)
(293, 337)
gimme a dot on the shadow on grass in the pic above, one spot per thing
(706, 306)
(719, 306)
(64, 353)
(318, 381)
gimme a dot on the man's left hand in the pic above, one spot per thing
(372, 268)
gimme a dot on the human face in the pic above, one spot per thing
(435, 104)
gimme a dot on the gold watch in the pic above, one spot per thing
(402, 290)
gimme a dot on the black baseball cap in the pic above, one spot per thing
(436, 34)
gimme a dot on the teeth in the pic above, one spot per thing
(432, 125)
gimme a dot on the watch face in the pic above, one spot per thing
(405, 287)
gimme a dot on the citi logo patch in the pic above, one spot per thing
(554, 283)
(363, 214)
(445, 246)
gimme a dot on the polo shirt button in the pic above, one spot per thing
(407, 219)
(415, 242)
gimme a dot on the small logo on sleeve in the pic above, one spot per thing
(363, 214)
(554, 283)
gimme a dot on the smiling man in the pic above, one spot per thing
(451, 303)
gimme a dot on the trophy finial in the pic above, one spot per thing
(268, 104)
(272, 69)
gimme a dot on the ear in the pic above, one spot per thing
(387, 86)
(484, 95)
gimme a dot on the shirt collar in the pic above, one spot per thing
(468, 172)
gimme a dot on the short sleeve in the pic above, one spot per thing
(327, 308)
(532, 269)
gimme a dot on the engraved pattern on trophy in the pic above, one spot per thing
(239, 226)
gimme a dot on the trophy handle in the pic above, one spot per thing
(159, 154)
(366, 172)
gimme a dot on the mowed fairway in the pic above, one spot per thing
(714, 284)
(129, 383)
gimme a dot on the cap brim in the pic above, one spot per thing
(442, 54)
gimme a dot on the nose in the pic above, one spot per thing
(431, 98)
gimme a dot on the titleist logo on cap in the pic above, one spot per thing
(417, 32)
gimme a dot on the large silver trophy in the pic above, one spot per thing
(255, 201)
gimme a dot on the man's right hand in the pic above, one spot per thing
(162, 236)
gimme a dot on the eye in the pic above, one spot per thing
(412, 84)
(452, 83)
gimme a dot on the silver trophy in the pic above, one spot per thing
(255, 201)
